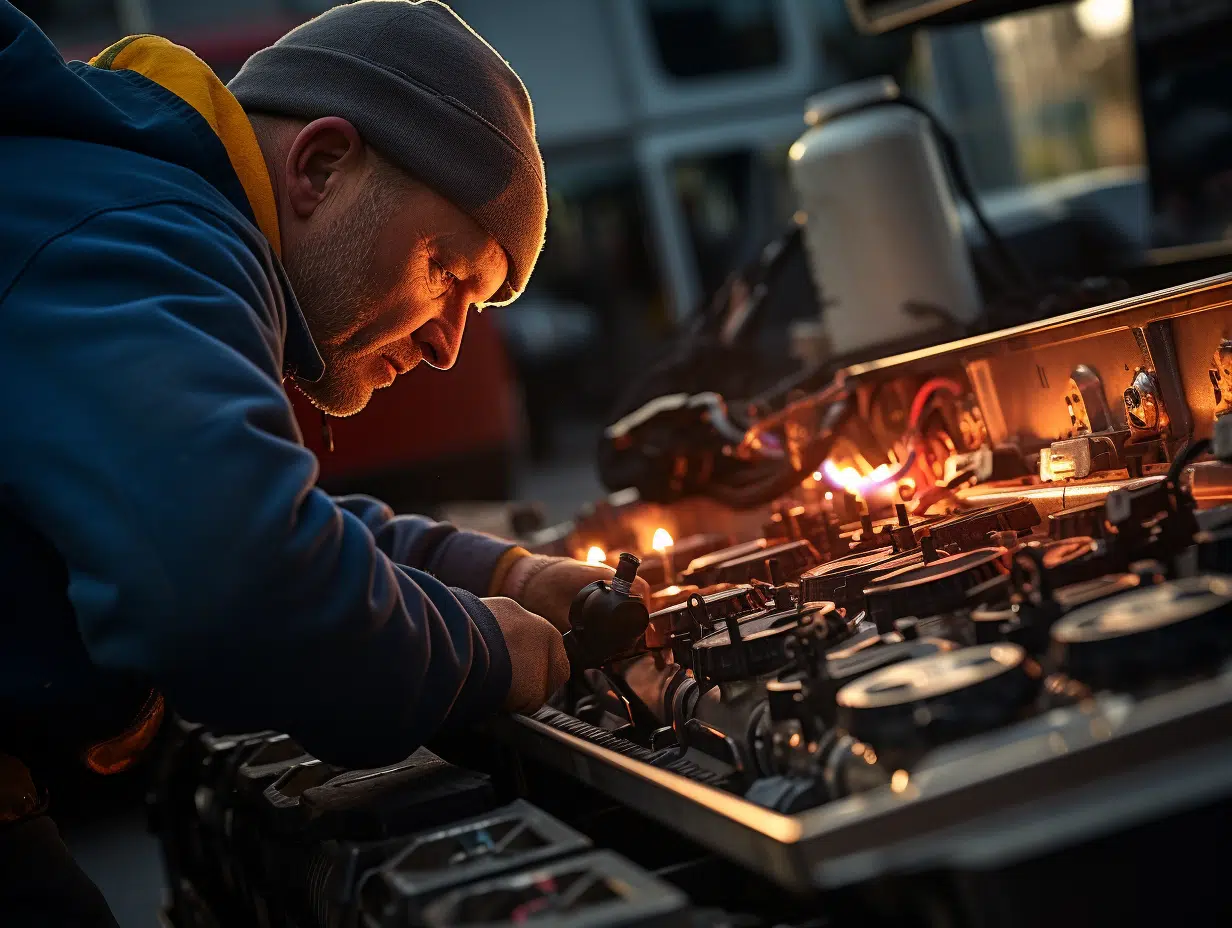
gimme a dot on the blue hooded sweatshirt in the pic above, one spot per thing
(160, 528)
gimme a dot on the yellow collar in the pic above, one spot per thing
(188, 77)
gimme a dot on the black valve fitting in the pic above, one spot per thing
(606, 620)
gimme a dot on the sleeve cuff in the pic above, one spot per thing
(503, 566)
(499, 677)
(469, 560)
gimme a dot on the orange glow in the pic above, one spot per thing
(596, 555)
(817, 476)
(671, 590)
(829, 496)
(794, 740)
(662, 540)
(854, 482)
(899, 781)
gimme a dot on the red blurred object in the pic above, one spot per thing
(224, 48)
(434, 435)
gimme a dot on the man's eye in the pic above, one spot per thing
(441, 278)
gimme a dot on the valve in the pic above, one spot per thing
(606, 620)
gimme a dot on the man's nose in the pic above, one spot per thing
(455, 326)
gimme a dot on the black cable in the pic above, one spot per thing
(962, 184)
(1184, 457)
(781, 478)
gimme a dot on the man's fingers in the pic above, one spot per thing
(559, 668)
(537, 654)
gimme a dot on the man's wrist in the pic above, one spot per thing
(501, 572)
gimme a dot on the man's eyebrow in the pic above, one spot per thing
(458, 263)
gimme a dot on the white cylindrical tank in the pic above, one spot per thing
(881, 227)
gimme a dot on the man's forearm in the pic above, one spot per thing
(469, 561)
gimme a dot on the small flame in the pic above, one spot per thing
(853, 481)
(671, 590)
(829, 496)
(662, 540)
(899, 781)
(596, 555)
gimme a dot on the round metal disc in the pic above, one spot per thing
(700, 564)
(1146, 610)
(906, 709)
(759, 626)
(1067, 550)
(921, 575)
(762, 647)
(1172, 630)
(1089, 591)
(929, 677)
(932, 589)
(847, 577)
(848, 562)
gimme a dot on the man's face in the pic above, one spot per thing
(385, 272)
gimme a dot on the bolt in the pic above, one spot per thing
(866, 527)
(775, 571)
(626, 573)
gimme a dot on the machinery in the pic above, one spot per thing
(974, 669)
(939, 636)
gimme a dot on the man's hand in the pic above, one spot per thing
(536, 651)
(546, 585)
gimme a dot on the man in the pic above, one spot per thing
(170, 250)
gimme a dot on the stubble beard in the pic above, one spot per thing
(330, 273)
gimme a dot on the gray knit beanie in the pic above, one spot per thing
(430, 95)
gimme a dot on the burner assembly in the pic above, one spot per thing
(1030, 613)
(920, 682)
(917, 700)
(1016, 605)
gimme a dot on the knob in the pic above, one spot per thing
(605, 620)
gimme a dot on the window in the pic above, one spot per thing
(594, 310)
(1062, 98)
(1186, 71)
(1067, 75)
(709, 38)
(734, 202)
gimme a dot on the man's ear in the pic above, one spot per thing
(321, 156)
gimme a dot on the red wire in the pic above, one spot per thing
(924, 393)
